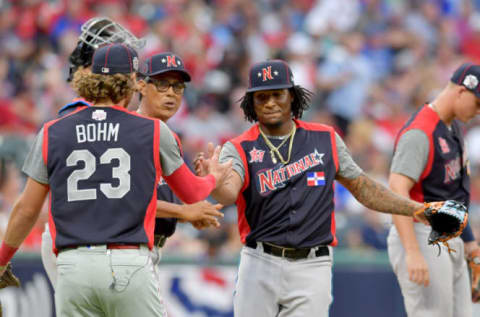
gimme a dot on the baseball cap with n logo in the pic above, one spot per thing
(271, 74)
(162, 63)
(115, 59)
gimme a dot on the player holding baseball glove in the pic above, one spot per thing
(430, 164)
(282, 182)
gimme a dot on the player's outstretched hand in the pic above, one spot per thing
(199, 164)
(203, 213)
(203, 224)
(201, 160)
(220, 171)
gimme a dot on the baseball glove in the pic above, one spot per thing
(474, 268)
(447, 218)
(8, 278)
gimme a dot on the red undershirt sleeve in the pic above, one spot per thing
(188, 187)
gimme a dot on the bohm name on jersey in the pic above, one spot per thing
(101, 131)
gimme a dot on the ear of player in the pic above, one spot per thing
(447, 219)
(8, 278)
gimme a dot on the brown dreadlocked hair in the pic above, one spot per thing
(300, 103)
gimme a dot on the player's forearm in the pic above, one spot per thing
(402, 185)
(376, 196)
(169, 210)
(404, 226)
(225, 195)
(188, 187)
(24, 215)
(228, 192)
(21, 222)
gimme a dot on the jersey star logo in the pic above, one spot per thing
(256, 156)
(319, 156)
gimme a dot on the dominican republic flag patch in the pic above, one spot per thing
(316, 179)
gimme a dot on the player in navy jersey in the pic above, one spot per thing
(96, 32)
(429, 164)
(161, 85)
(100, 166)
(283, 184)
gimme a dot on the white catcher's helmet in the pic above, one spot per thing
(96, 32)
(101, 30)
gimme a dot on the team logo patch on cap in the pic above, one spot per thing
(267, 73)
(470, 81)
(99, 115)
(171, 61)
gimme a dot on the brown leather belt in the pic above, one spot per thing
(290, 253)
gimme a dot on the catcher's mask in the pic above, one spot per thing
(95, 33)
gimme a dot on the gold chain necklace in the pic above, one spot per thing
(275, 149)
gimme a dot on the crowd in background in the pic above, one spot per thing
(370, 63)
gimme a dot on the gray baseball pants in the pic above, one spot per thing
(448, 293)
(96, 281)
(271, 286)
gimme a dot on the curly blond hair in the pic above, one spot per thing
(96, 88)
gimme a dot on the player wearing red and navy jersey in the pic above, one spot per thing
(283, 184)
(101, 165)
(430, 164)
(161, 84)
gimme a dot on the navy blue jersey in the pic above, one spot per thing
(445, 175)
(163, 226)
(289, 205)
(103, 167)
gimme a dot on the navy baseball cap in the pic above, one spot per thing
(468, 75)
(115, 59)
(162, 63)
(271, 74)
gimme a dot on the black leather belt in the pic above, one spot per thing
(290, 253)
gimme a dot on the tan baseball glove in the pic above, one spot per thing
(447, 219)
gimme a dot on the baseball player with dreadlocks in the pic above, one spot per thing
(97, 32)
(283, 184)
